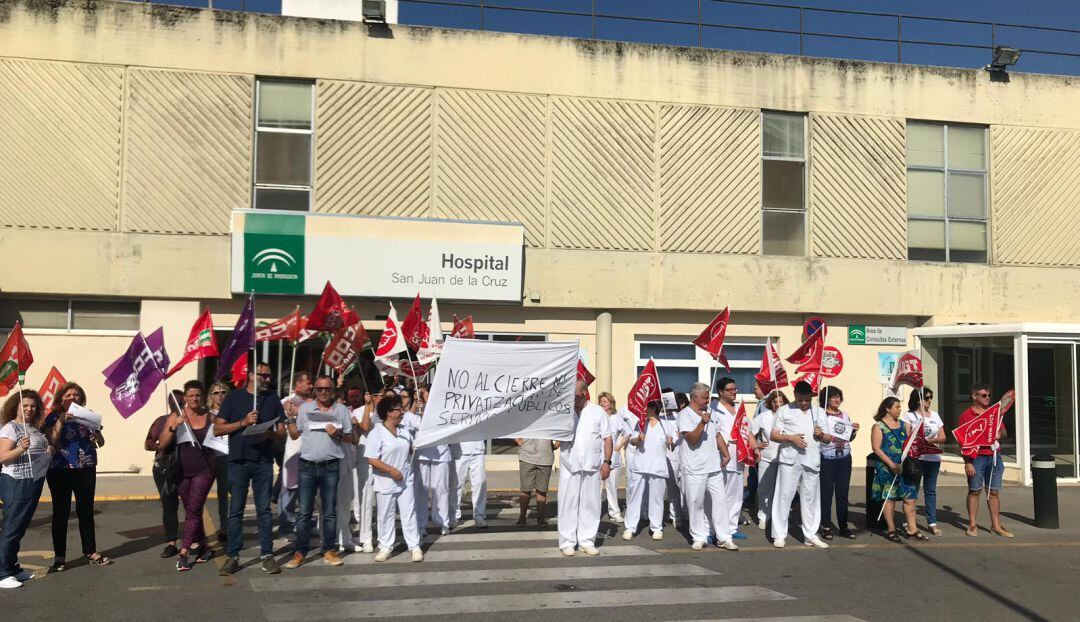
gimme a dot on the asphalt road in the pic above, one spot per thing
(509, 573)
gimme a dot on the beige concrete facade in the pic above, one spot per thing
(634, 169)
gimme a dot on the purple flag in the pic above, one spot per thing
(134, 376)
(242, 340)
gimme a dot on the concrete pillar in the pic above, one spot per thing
(603, 351)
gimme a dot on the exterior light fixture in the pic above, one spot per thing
(1003, 57)
(374, 11)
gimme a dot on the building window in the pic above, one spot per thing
(946, 192)
(680, 364)
(60, 314)
(284, 142)
(783, 183)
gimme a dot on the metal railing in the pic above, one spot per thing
(486, 9)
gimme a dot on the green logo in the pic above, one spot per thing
(856, 335)
(274, 253)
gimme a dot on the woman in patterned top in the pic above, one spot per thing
(73, 471)
(25, 455)
(887, 439)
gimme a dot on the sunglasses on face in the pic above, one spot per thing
(217, 393)
(983, 395)
(324, 388)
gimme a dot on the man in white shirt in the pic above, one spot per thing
(799, 430)
(676, 501)
(703, 457)
(584, 463)
(468, 462)
(303, 392)
(726, 411)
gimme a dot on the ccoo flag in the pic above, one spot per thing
(48, 389)
(330, 313)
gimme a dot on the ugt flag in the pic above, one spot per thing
(712, 338)
(644, 391)
(134, 376)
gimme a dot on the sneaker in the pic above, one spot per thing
(627, 535)
(697, 545)
(24, 575)
(382, 555)
(779, 543)
(230, 566)
(169, 551)
(481, 523)
(331, 558)
(762, 523)
(817, 542)
(729, 545)
(270, 565)
(444, 531)
(617, 519)
(589, 549)
(205, 555)
(9, 583)
(658, 535)
(738, 535)
(567, 552)
(352, 546)
(295, 560)
(367, 547)
(183, 564)
(417, 555)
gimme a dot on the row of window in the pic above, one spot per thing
(61, 314)
(946, 189)
(946, 176)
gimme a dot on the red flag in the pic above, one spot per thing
(813, 379)
(908, 370)
(200, 344)
(808, 355)
(239, 372)
(331, 314)
(741, 431)
(412, 328)
(463, 329)
(288, 328)
(48, 389)
(583, 373)
(772, 375)
(645, 390)
(390, 343)
(345, 347)
(982, 429)
(414, 370)
(15, 359)
(912, 446)
(712, 338)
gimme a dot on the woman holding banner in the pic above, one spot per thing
(187, 430)
(646, 475)
(24, 454)
(73, 471)
(387, 451)
(933, 431)
(887, 439)
(835, 467)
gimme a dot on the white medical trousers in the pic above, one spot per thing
(733, 495)
(648, 489)
(432, 494)
(794, 478)
(766, 488)
(473, 467)
(402, 502)
(579, 507)
(706, 492)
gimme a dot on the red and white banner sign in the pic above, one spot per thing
(832, 362)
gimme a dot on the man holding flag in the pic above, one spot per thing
(726, 413)
(704, 456)
(982, 460)
(585, 462)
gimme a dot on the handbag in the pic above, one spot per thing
(910, 468)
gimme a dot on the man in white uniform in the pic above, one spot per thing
(468, 461)
(620, 437)
(676, 502)
(584, 463)
(704, 455)
(303, 391)
(733, 470)
(799, 430)
(353, 477)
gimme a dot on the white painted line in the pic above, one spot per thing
(480, 555)
(472, 577)
(497, 536)
(831, 618)
(600, 599)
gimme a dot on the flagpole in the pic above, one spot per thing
(168, 393)
(254, 370)
(26, 427)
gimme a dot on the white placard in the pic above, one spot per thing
(669, 401)
(219, 444)
(485, 389)
(85, 416)
(839, 428)
(259, 428)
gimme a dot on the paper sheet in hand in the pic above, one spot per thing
(669, 401)
(219, 444)
(85, 416)
(485, 389)
(185, 435)
(259, 428)
(838, 428)
(317, 426)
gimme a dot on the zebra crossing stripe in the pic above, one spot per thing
(478, 555)
(472, 577)
(455, 605)
(836, 618)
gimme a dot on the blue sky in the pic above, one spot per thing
(1053, 13)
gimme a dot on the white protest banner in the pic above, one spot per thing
(220, 444)
(85, 416)
(486, 389)
(838, 428)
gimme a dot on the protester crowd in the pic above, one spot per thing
(353, 452)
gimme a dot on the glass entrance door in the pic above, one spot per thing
(1052, 403)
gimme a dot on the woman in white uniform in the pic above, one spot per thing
(761, 427)
(647, 470)
(676, 500)
(431, 478)
(620, 436)
(387, 451)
